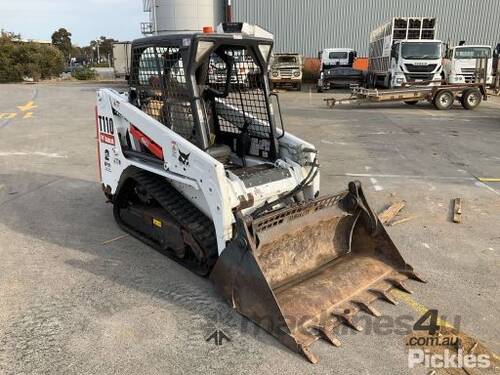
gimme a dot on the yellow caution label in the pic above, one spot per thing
(157, 223)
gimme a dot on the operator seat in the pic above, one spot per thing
(220, 152)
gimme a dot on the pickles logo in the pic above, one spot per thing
(448, 359)
(436, 345)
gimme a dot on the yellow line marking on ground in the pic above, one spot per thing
(488, 179)
(7, 115)
(417, 307)
(115, 239)
(28, 115)
(27, 106)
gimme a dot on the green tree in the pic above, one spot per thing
(105, 48)
(87, 53)
(106, 45)
(8, 70)
(18, 60)
(61, 39)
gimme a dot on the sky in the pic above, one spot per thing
(85, 19)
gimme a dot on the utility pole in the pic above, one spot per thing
(229, 11)
(155, 19)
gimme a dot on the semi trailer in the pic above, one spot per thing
(461, 62)
(404, 50)
(121, 59)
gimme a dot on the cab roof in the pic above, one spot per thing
(472, 45)
(185, 39)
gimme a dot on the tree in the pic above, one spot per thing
(61, 39)
(37, 61)
(87, 53)
(105, 47)
(8, 70)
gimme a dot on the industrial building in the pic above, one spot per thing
(307, 26)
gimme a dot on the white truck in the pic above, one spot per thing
(337, 68)
(404, 50)
(461, 62)
(121, 59)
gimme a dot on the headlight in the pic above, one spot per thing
(296, 73)
(275, 74)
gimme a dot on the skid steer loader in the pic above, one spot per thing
(197, 164)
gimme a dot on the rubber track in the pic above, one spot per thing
(178, 207)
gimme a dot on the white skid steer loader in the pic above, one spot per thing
(196, 167)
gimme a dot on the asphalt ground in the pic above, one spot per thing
(76, 296)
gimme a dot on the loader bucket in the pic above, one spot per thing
(301, 271)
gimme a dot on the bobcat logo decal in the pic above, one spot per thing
(184, 158)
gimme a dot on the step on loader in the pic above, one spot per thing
(197, 164)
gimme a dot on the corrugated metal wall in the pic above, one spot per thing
(307, 26)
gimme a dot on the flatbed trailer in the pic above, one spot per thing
(442, 97)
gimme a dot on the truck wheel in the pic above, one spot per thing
(371, 81)
(470, 99)
(388, 82)
(299, 87)
(411, 102)
(320, 89)
(443, 100)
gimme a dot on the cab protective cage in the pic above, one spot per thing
(177, 80)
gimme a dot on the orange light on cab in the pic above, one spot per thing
(208, 30)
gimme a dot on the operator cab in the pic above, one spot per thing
(211, 89)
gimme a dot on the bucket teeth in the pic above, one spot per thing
(400, 285)
(329, 336)
(346, 318)
(308, 354)
(386, 296)
(368, 309)
(414, 276)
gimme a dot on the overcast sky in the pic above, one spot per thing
(85, 19)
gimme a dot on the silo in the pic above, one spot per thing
(169, 16)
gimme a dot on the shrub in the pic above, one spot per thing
(28, 60)
(8, 70)
(52, 62)
(84, 73)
